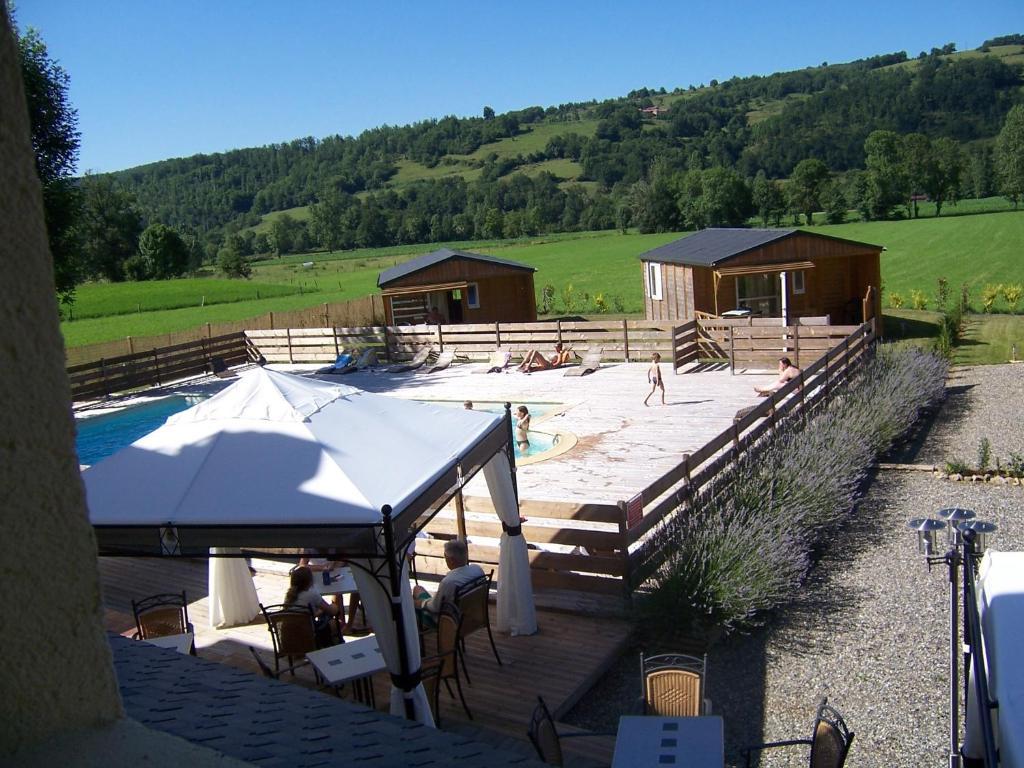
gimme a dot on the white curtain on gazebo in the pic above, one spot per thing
(376, 597)
(516, 612)
(232, 594)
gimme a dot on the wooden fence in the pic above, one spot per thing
(107, 376)
(677, 490)
(368, 310)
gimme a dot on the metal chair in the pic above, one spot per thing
(449, 624)
(673, 684)
(430, 676)
(830, 740)
(162, 615)
(545, 737)
(293, 632)
(472, 601)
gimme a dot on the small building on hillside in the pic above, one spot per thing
(462, 287)
(787, 273)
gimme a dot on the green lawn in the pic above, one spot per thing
(106, 299)
(977, 250)
(535, 140)
(987, 339)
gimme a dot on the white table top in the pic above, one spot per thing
(180, 643)
(342, 582)
(651, 742)
(348, 661)
(1001, 603)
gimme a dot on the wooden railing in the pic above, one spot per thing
(675, 491)
(155, 367)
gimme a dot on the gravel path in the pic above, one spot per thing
(870, 628)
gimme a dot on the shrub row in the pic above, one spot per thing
(751, 537)
(1011, 293)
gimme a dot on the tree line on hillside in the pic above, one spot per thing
(875, 136)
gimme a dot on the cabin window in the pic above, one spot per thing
(472, 296)
(654, 280)
(798, 282)
(760, 293)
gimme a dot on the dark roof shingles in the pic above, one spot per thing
(264, 722)
(436, 257)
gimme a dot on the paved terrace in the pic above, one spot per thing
(623, 445)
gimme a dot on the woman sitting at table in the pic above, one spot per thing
(302, 594)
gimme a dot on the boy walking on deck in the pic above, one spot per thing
(654, 376)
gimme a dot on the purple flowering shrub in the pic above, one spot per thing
(751, 535)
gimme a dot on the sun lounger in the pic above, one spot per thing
(590, 363)
(498, 362)
(342, 360)
(442, 362)
(418, 360)
(366, 360)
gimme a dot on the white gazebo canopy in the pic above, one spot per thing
(277, 460)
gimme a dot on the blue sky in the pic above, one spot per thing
(155, 79)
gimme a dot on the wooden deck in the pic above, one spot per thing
(560, 663)
(622, 446)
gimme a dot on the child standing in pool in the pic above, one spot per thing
(654, 376)
(522, 428)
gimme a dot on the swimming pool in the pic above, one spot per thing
(540, 442)
(102, 436)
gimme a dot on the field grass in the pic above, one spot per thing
(106, 299)
(976, 250)
(987, 339)
(535, 140)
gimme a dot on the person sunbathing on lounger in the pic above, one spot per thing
(535, 361)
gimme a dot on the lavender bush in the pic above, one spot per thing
(751, 536)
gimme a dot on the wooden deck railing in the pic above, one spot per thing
(675, 491)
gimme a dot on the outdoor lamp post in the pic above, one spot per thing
(962, 550)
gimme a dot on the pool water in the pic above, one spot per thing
(539, 441)
(102, 436)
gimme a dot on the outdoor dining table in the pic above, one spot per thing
(645, 741)
(353, 661)
(1001, 605)
(181, 643)
(342, 582)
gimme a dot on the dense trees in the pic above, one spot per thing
(162, 254)
(55, 141)
(806, 186)
(1009, 155)
(108, 228)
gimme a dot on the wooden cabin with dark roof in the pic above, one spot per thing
(786, 273)
(449, 286)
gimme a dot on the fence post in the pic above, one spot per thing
(387, 344)
(796, 342)
(327, 315)
(156, 366)
(732, 352)
(497, 335)
(334, 335)
(209, 331)
(271, 320)
(131, 346)
(687, 490)
(558, 330)
(288, 335)
(103, 377)
(627, 575)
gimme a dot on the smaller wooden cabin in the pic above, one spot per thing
(787, 273)
(449, 286)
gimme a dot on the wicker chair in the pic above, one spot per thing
(449, 625)
(293, 632)
(472, 601)
(162, 615)
(673, 685)
(830, 740)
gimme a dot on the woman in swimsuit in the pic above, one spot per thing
(535, 361)
(522, 428)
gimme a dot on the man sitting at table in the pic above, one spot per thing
(460, 573)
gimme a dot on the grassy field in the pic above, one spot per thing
(107, 299)
(987, 339)
(977, 249)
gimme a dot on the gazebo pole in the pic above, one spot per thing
(460, 515)
(510, 450)
(404, 678)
